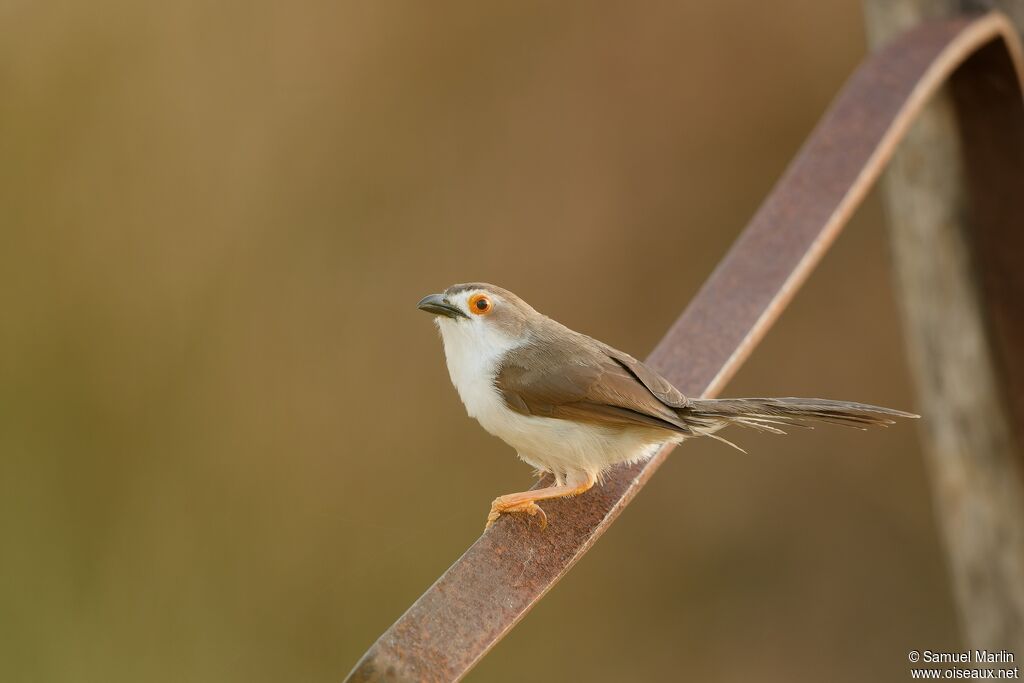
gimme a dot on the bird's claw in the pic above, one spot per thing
(528, 507)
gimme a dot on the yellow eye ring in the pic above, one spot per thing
(480, 304)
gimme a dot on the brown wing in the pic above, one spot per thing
(655, 383)
(588, 382)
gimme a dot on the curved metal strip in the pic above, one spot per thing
(489, 589)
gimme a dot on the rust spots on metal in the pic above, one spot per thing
(511, 566)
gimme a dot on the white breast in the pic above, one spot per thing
(473, 352)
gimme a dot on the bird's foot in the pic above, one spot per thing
(500, 507)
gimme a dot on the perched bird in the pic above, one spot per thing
(572, 406)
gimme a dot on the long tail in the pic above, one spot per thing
(707, 416)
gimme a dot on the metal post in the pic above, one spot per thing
(956, 208)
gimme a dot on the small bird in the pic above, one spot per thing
(573, 407)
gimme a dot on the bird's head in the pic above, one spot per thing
(480, 310)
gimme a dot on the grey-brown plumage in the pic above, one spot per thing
(592, 382)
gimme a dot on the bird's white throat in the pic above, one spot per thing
(473, 352)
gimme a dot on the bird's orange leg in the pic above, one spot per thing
(527, 500)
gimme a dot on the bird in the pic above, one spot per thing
(573, 407)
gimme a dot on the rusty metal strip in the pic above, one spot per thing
(511, 566)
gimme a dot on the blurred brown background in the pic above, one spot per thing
(229, 449)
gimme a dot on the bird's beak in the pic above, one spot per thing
(436, 304)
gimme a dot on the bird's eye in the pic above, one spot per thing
(480, 304)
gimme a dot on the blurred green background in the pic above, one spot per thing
(229, 448)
